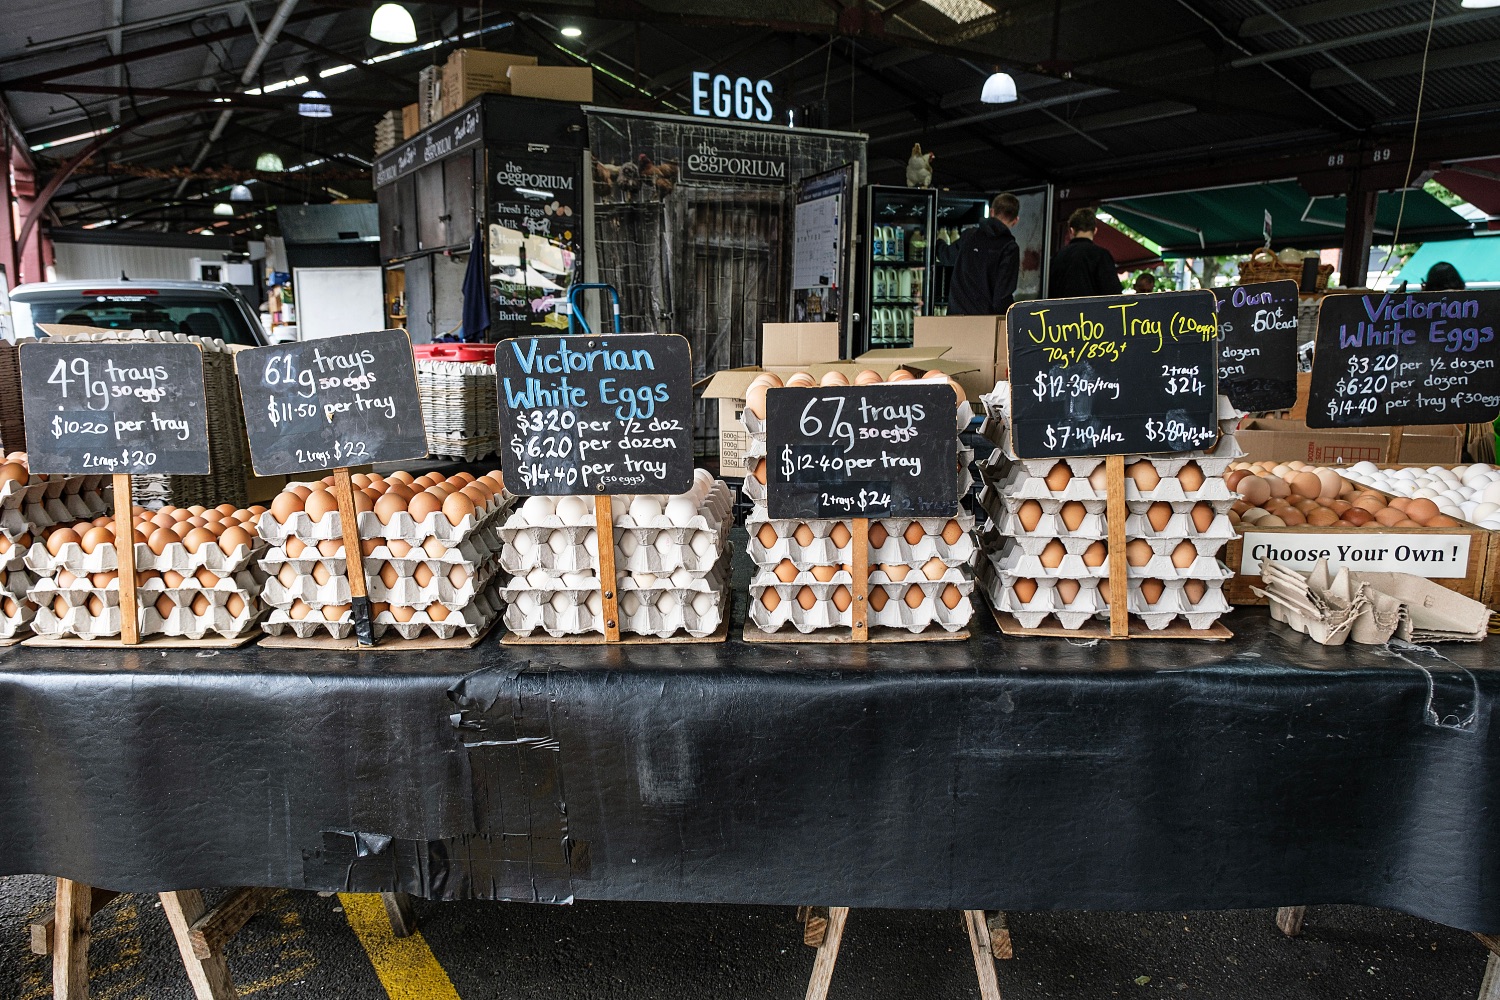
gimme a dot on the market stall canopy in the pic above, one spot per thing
(1129, 254)
(1477, 260)
(1476, 182)
(1232, 219)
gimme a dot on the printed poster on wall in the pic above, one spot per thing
(819, 245)
(536, 239)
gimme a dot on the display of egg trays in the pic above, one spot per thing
(175, 556)
(1027, 477)
(59, 500)
(402, 526)
(1010, 554)
(1014, 560)
(580, 612)
(181, 621)
(15, 615)
(404, 590)
(1091, 602)
(458, 408)
(472, 619)
(1180, 525)
(823, 551)
(542, 584)
(478, 549)
(1004, 512)
(878, 575)
(895, 614)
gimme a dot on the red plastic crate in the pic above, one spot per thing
(481, 353)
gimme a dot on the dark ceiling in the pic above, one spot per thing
(1115, 97)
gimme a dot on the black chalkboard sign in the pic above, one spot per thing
(1258, 344)
(115, 408)
(1388, 358)
(862, 451)
(601, 415)
(330, 403)
(1114, 375)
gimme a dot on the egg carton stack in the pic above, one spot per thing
(1464, 492)
(459, 408)
(195, 574)
(12, 418)
(30, 504)
(1046, 545)
(228, 462)
(920, 573)
(671, 563)
(430, 546)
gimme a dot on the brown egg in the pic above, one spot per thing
(321, 574)
(867, 377)
(900, 375)
(1099, 478)
(1191, 477)
(914, 597)
(1307, 483)
(1278, 487)
(1370, 502)
(59, 607)
(295, 546)
(14, 472)
(423, 506)
(1422, 510)
(59, 537)
(1073, 513)
(878, 535)
(334, 612)
(1194, 590)
(103, 580)
(1305, 506)
(400, 549)
(1145, 475)
(197, 538)
(1067, 591)
(1400, 503)
(145, 575)
(95, 606)
(422, 574)
(785, 571)
(770, 600)
(285, 505)
(760, 472)
(1203, 516)
(388, 506)
(1389, 516)
(1138, 552)
(402, 613)
(913, 533)
(401, 476)
(766, 535)
(834, 378)
(823, 574)
(1322, 518)
(457, 507)
(1441, 521)
(1255, 490)
(1233, 476)
(331, 547)
(458, 576)
(319, 504)
(206, 578)
(1052, 555)
(950, 597)
(1270, 521)
(434, 548)
(164, 606)
(1095, 554)
(840, 535)
(800, 380)
(234, 537)
(95, 537)
(755, 398)
(806, 599)
(895, 571)
(842, 598)
(1159, 515)
(804, 535)
(1152, 590)
(952, 532)
(437, 612)
(201, 605)
(934, 569)
(298, 611)
(878, 596)
(1025, 589)
(1057, 480)
(1184, 554)
(287, 575)
(1292, 517)
(1029, 514)
(9, 607)
(388, 574)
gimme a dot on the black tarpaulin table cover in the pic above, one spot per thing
(997, 773)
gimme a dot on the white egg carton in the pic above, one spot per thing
(579, 611)
(405, 591)
(823, 551)
(1014, 560)
(895, 576)
(540, 585)
(477, 550)
(1180, 525)
(176, 556)
(16, 582)
(182, 621)
(1091, 602)
(56, 500)
(11, 624)
(895, 614)
(472, 619)
(1004, 512)
(402, 526)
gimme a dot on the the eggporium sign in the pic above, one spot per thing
(718, 96)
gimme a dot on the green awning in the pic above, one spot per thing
(1231, 220)
(1477, 260)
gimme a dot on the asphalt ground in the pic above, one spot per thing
(307, 945)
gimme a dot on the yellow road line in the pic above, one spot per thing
(406, 966)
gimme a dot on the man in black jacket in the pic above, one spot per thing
(987, 263)
(1083, 267)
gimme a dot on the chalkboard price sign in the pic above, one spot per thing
(862, 451)
(601, 415)
(1258, 344)
(331, 403)
(1391, 359)
(1114, 375)
(114, 408)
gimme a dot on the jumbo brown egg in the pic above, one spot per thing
(914, 597)
(1067, 590)
(1029, 514)
(1073, 513)
(1025, 589)
(1152, 590)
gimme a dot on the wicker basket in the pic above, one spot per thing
(1263, 265)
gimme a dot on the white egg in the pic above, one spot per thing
(703, 603)
(667, 603)
(703, 541)
(596, 603)
(1450, 509)
(645, 510)
(704, 477)
(1483, 511)
(538, 509)
(558, 541)
(578, 581)
(630, 604)
(524, 543)
(1363, 468)
(591, 543)
(682, 578)
(541, 579)
(526, 602)
(572, 510)
(1425, 493)
(1491, 493)
(627, 545)
(681, 510)
(665, 543)
(562, 601)
(645, 581)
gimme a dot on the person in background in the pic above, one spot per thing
(1144, 282)
(987, 263)
(1082, 267)
(1443, 277)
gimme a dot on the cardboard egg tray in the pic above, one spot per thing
(1012, 560)
(11, 625)
(896, 614)
(1090, 602)
(823, 551)
(402, 526)
(960, 576)
(59, 500)
(406, 591)
(542, 584)
(182, 621)
(472, 619)
(175, 556)
(579, 612)
(477, 550)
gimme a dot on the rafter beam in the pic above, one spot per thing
(1477, 54)
(1314, 13)
(1105, 120)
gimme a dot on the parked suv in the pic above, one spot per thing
(200, 308)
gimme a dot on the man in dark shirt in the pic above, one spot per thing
(1083, 267)
(987, 263)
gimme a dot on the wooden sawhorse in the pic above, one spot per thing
(823, 929)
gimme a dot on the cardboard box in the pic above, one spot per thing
(471, 72)
(555, 83)
(410, 121)
(1266, 439)
(977, 340)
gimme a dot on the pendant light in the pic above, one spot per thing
(224, 208)
(312, 105)
(1479, 4)
(392, 22)
(1000, 88)
(240, 192)
(269, 163)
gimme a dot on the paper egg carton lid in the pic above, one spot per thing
(434, 525)
(895, 614)
(175, 557)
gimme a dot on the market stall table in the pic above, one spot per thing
(998, 773)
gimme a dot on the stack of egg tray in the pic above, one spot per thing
(25, 512)
(12, 419)
(459, 408)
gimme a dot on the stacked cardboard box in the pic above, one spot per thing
(387, 133)
(195, 574)
(671, 563)
(29, 504)
(1046, 544)
(430, 548)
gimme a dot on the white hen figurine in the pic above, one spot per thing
(919, 167)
